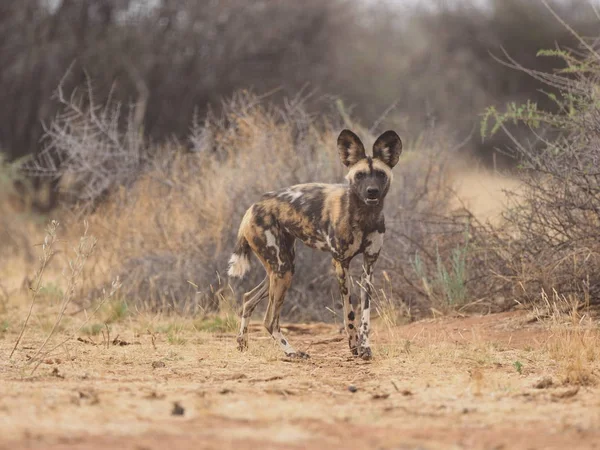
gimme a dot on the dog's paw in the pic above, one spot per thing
(365, 353)
(242, 343)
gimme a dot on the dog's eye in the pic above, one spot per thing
(360, 175)
(380, 175)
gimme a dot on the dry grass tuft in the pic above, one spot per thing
(576, 349)
(574, 343)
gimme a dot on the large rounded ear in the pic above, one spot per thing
(388, 148)
(350, 148)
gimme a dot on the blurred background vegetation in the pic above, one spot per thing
(431, 63)
(160, 121)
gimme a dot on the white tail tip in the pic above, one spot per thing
(238, 265)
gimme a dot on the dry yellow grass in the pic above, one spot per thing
(574, 342)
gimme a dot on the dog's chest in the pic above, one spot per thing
(344, 246)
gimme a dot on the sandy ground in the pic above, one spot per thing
(448, 383)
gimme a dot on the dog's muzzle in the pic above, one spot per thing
(372, 196)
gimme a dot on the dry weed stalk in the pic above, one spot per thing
(46, 256)
(84, 250)
(106, 296)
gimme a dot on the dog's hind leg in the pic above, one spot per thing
(279, 284)
(251, 300)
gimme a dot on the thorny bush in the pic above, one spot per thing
(552, 239)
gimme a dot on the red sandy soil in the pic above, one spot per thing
(449, 383)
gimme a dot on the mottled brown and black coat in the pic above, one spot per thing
(343, 219)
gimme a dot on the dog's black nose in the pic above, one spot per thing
(372, 192)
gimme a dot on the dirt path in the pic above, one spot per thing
(450, 383)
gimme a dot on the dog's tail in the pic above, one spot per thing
(239, 263)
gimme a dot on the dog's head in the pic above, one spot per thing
(369, 177)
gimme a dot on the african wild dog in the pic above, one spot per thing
(343, 219)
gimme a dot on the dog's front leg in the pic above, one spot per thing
(366, 285)
(341, 271)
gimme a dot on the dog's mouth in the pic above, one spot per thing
(372, 201)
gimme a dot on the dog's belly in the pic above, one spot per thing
(317, 244)
(315, 240)
(340, 248)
